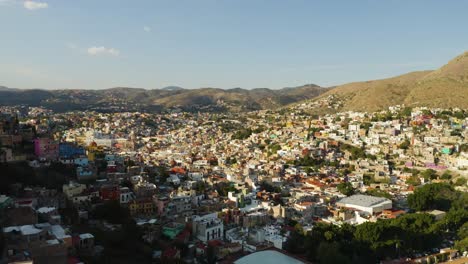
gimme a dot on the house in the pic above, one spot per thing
(81, 161)
(142, 206)
(6, 155)
(69, 150)
(46, 148)
(5, 202)
(110, 192)
(86, 242)
(44, 243)
(170, 254)
(85, 172)
(126, 195)
(73, 189)
(174, 179)
(173, 229)
(207, 227)
(22, 215)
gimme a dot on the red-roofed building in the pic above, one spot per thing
(171, 253)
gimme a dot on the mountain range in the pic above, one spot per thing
(207, 99)
(444, 87)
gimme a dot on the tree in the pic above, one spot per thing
(462, 245)
(345, 188)
(463, 231)
(413, 181)
(2, 240)
(242, 134)
(356, 153)
(461, 181)
(211, 254)
(433, 196)
(406, 112)
(446, 175)
(266, 186)
(331, 253)
(429, 174)
(455, 219)
(405, 144)
(112, 212)
(379, 193)
(295, 243)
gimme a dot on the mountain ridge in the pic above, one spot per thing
(209, 99)
(443, 87)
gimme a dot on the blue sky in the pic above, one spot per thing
(95, 44)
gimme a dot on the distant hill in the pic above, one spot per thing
(122, 98)
(172, 88)
(444, 87)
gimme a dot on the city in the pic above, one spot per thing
(202, 186)
(233, 132)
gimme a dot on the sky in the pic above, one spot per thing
(98, 44)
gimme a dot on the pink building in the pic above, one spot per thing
(46, 148)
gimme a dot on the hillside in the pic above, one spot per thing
(138, 99)
(444, 87)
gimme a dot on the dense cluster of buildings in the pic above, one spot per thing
(233, 183)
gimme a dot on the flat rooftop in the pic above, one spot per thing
(363, 200)
(268, 256)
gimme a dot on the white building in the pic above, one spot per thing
(126, 195)
(207, 227)
(366, 203)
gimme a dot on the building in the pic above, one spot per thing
(73, 189)
(110, 192)
(85, 242)
(5, 202)
(68, 151)
(126, 195)
(46, 148)
(207, 227)
(45, 243)
(268, 256)
(143, 206)
(172, 229)
(366, 203)
(6, 155)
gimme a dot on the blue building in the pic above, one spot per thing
(69, 150)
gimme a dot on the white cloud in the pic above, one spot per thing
(32, 5)
(94, 51)
(146, 29)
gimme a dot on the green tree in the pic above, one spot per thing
(433, 196)
(406, 112)
(379, 193)
(446, 175)
(331, 253)
(295, 243)
(345, 188)
(462, 245)
(429, 174)
(405, 144)
(463, 231)
(455, 219)
(461, 181)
